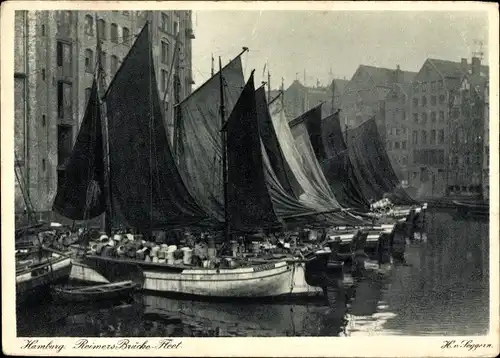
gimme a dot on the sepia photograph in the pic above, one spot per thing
(177, 170)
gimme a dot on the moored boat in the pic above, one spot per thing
(108, 291)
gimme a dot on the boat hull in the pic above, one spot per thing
(261, 281)
(107, 292)
(30, 283)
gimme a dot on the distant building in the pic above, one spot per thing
(486, 143)
(55, 60)
(429, 115)
(467, 133)
(366, 92)
(396, 136)
(299, 98)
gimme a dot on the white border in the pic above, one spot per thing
(386, 346)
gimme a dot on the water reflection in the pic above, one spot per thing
(442, 289)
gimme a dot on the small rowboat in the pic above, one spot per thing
(107, 291)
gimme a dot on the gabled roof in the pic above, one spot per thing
(384, 77)
(454, 69)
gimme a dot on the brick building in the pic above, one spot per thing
(429, 115)
(367, 91)
(55, 57)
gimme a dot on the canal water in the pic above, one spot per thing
(442, 290)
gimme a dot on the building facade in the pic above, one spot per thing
(466, 134)
(486, 144)
(367, 91)
(55, 63)
(299, 98)
(429, 108)
(396, 136)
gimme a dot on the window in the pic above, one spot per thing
(64, 101)
(114, 33)
(415, 117)
(126, 35)
(415, 137)
(433, 100)
(59, 53)
(403, 144)
(433, 117)
(424, 101)
(89, 25)
(440, 84)
(424, 137)
(433, 136)
(101, 28)
(64, 58)
(441, 98)
(104, 60)
(433, 86)
(89, 60)
(423, 86)
(44, 120)
(114, 64)
(389, 145)
(43, 30)
(424, 118)
(176, 27)
(415, 102)
(164, 52)
(415, 87)
(43, 74)
(44, 165)
(164, 22)
(441, 116)
(397, 131)
(64, 143)
(396, 145)
(164, 80)
(87, 94)
(403, 115)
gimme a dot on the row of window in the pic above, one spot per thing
(459, 160)
(433, 99)
(423, 117)
(90, 64)
(396, 131)
(436, 137)
(401, 160)
(423, 86)
(428, 156)
(396, 145)
(102, 30)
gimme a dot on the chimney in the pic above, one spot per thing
(398, 75)
(476, 66)
(463, 65)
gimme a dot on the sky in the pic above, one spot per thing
(317, 42)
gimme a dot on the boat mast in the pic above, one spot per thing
(224, 153)
(212, 72)
(151, 124)
(268, 86)
(101, 85)
(177, 99)
(333, 96)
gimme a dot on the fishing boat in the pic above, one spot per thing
(37, 268)
(109, 291)
(472, 208)
(139, 153)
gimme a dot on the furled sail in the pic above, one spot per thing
(200, 150)
(338, 168)
(249, 202)
(314, 194)
(372, 165)
(80, 195)
(147, 189)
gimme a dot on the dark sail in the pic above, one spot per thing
(148, 192)
(80, 195)
(200, 149)
(249, 203)
(372, 165)
(279, 165)
(338, 168)
(312, 122)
